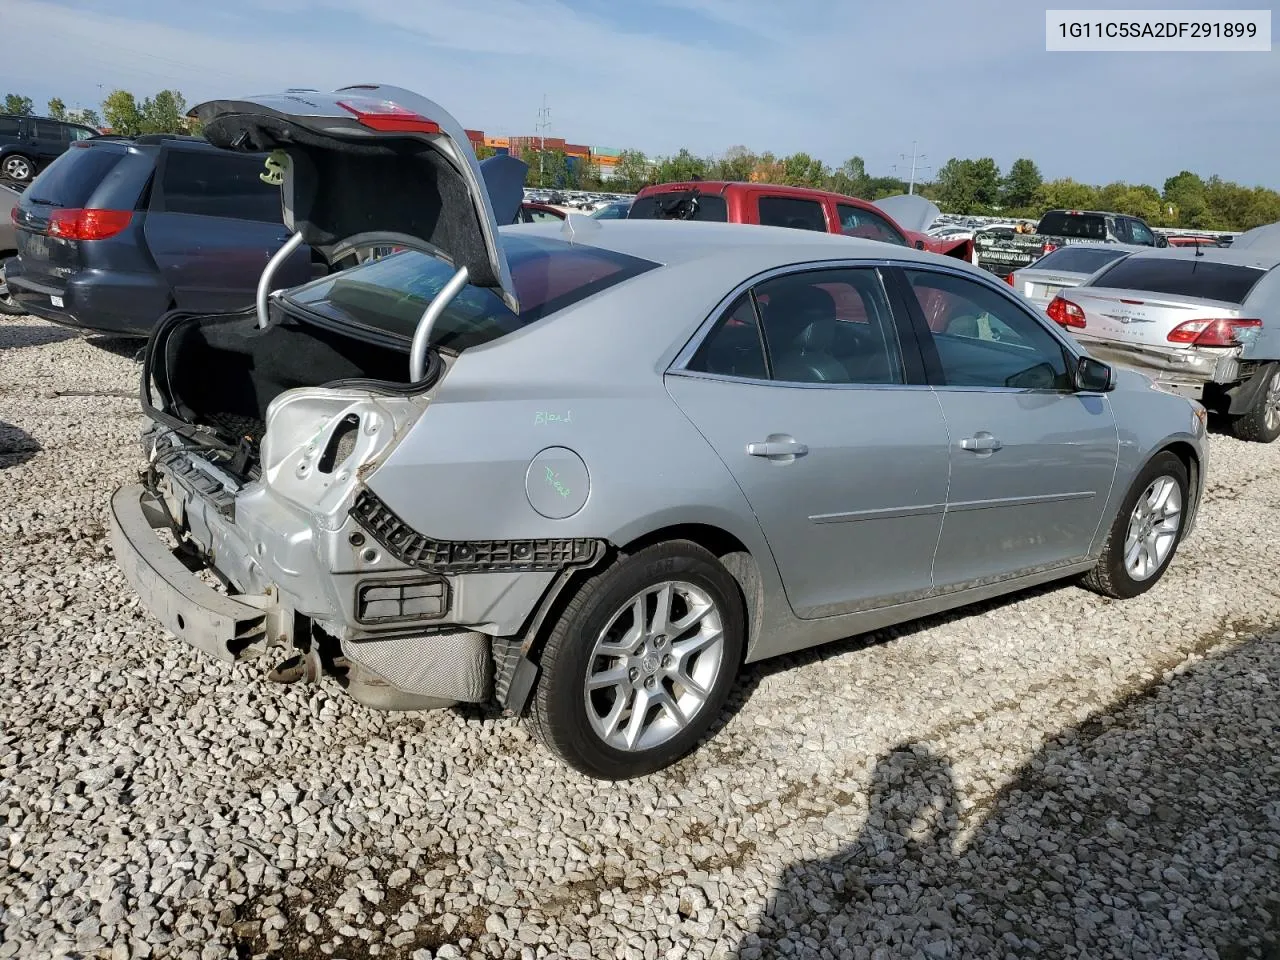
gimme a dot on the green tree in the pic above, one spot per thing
(969, 186)
(802, 170)
(87, 116)
(1067, 194)
(683, 166)
(850, 178)
(1185, 192)
(164, 113)
(122, 113)
(633, 171)
(57, 109)
(736, 165)
(484, 151)
(22, 106)
(1021, 185)
(547, 168)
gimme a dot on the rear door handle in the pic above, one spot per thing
(981, 443)
(777, 447)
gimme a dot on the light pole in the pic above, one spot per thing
(915, 158)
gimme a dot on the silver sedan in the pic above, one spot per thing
(589, 470)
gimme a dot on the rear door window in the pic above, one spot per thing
(1183, 277)
(680, 205)
(1141, 234)
(71, 179)
(209, 184)
(857, 222)
(1085, 225)
(48, 130)
(792, 212)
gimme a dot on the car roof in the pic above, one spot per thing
(677, 242)
(1262, 258)
(721, 187)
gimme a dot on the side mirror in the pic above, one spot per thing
(919, 244)
(1094, 376)
(1162, 241)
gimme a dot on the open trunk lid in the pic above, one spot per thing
(372, 165)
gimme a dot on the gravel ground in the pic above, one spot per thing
(1054, 775)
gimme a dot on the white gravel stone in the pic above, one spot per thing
(1053, 774)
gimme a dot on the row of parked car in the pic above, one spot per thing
(432, 475)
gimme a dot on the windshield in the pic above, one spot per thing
(1076, 260)
(680, 205)
(1178, 277)
(389, 295)
(1059, 224)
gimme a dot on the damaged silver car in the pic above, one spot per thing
(587, 470)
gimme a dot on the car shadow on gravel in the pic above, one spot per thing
(1151, 829)
(17, 335)
(16, 445)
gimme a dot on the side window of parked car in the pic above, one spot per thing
(209, 184)
(827, 326)
(1139, 233)
(48, 130)
(792, 212)
(856, 222)
(984, 340)
(80, 133)
(10, 126)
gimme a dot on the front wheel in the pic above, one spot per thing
(1145, 533)
(1261, 422)
(640, 663)
(18, 168)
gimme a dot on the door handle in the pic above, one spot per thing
(777, 447)
(981, 443)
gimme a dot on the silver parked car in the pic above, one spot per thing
(1065, 267)
(8, 246)
(1204, 322)
(589, 470)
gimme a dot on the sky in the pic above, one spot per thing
(835, 78)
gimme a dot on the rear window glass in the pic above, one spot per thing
(790, 212)
(1191, 277)
(211, 184)
(1073, 225)
(680, 205)
(10, 126)
(389, 295)
(1075, 260)
(71, 179)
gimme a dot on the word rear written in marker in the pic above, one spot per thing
(553, 481)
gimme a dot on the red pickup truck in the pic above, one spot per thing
(799, 207)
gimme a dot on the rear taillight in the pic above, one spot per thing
(1224, 332)
(13, 214)
(387, 117)
(1065, 313)
(1009, 280)
(75, 224)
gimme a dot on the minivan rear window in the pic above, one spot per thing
(680, 205)
(71, 179)
(1089, 225)
(389, 295)
(1076, 260)
(1183, 277)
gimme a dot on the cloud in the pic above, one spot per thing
(826, 76)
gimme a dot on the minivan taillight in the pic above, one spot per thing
(1065, 313)
(1009, 280)
(1224, 332)
(75, 224)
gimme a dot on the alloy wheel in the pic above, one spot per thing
(1271, 404)
(17, 168)
(1153, 528)
(654, 665)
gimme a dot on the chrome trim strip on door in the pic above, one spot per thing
(1020, 501)
(882, 513)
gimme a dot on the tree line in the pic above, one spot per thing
(962, 186)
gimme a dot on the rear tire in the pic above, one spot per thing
(18, 168)
(639, 664)
(1261, 423)
(1145, 533)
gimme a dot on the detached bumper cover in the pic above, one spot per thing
(210, 621)
(1188, 367)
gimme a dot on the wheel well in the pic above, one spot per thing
(731, 552)
(1191, 460)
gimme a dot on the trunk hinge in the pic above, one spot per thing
(264, 281)
(422, 334)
